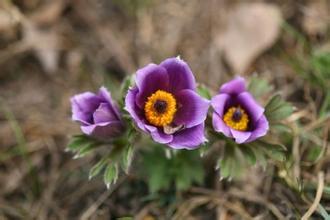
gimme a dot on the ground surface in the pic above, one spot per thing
(51, 50)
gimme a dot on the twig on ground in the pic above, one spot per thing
(259, 200)
(317, 199)
(93, 208)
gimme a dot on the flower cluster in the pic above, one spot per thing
(164, 104)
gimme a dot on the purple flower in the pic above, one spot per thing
(97, 113)
(164, 103)
(237, 114)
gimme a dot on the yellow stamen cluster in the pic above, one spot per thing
(243, 120)
(154, 115)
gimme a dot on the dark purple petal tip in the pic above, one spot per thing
(234, 87)
(179, 73)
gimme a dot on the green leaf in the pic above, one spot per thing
(181, 170)
(326, 190)
(126, 84)
(235, 159)
(85, 149)
(280, 147)
(323, 212)
(259, 87)
(320, 65)
(204, 91)
(224, 167)
(159, 178)
(182, 182)
(117, 151)
(260, 155)
(248, 154)
(227, 163)
(281, 113)
(82, 145)
(187, 168)
(127, 157)
(240, 162)
(275, 154)
(281, 127)
(110, 174)
(314, 153)
(274, 102)
(77, 142)
(156, 168)
(277, 109)
(325, 108)
(274, 151)
(97, 168)
(128, 81)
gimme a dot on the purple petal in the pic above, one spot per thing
(103, 130)
(180, 75)
(250, 105)
(83, 106)
(261, 129)
(220, 126)
(148, 80)
(159, 136)
(104, 114)
(234, 87)
(135, 112)
(240, 136)
(106, 96)
(189, 138)
(192, 108)
(218, 103)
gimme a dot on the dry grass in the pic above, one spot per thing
(51, 50)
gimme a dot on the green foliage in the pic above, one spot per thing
(231, 164)
(183, 168)
(314, 67)
(314, 153)
(325, 108)
(120, 154)
(273, 151)
(127, 157)
(320, 68)
(20, 149)
(203, 91)
(126, 84)
(323, 212)
(110, 174)
(277, 109)
(98, 167)
(81, 145)
(259, 87)
(249, 154)
(238, 157)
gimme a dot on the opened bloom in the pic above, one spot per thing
(237, 114)
(164, 104)
(97, 113)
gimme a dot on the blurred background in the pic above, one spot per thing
(53, 49)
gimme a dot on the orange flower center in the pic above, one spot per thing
(160, 108)
(236, 118)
